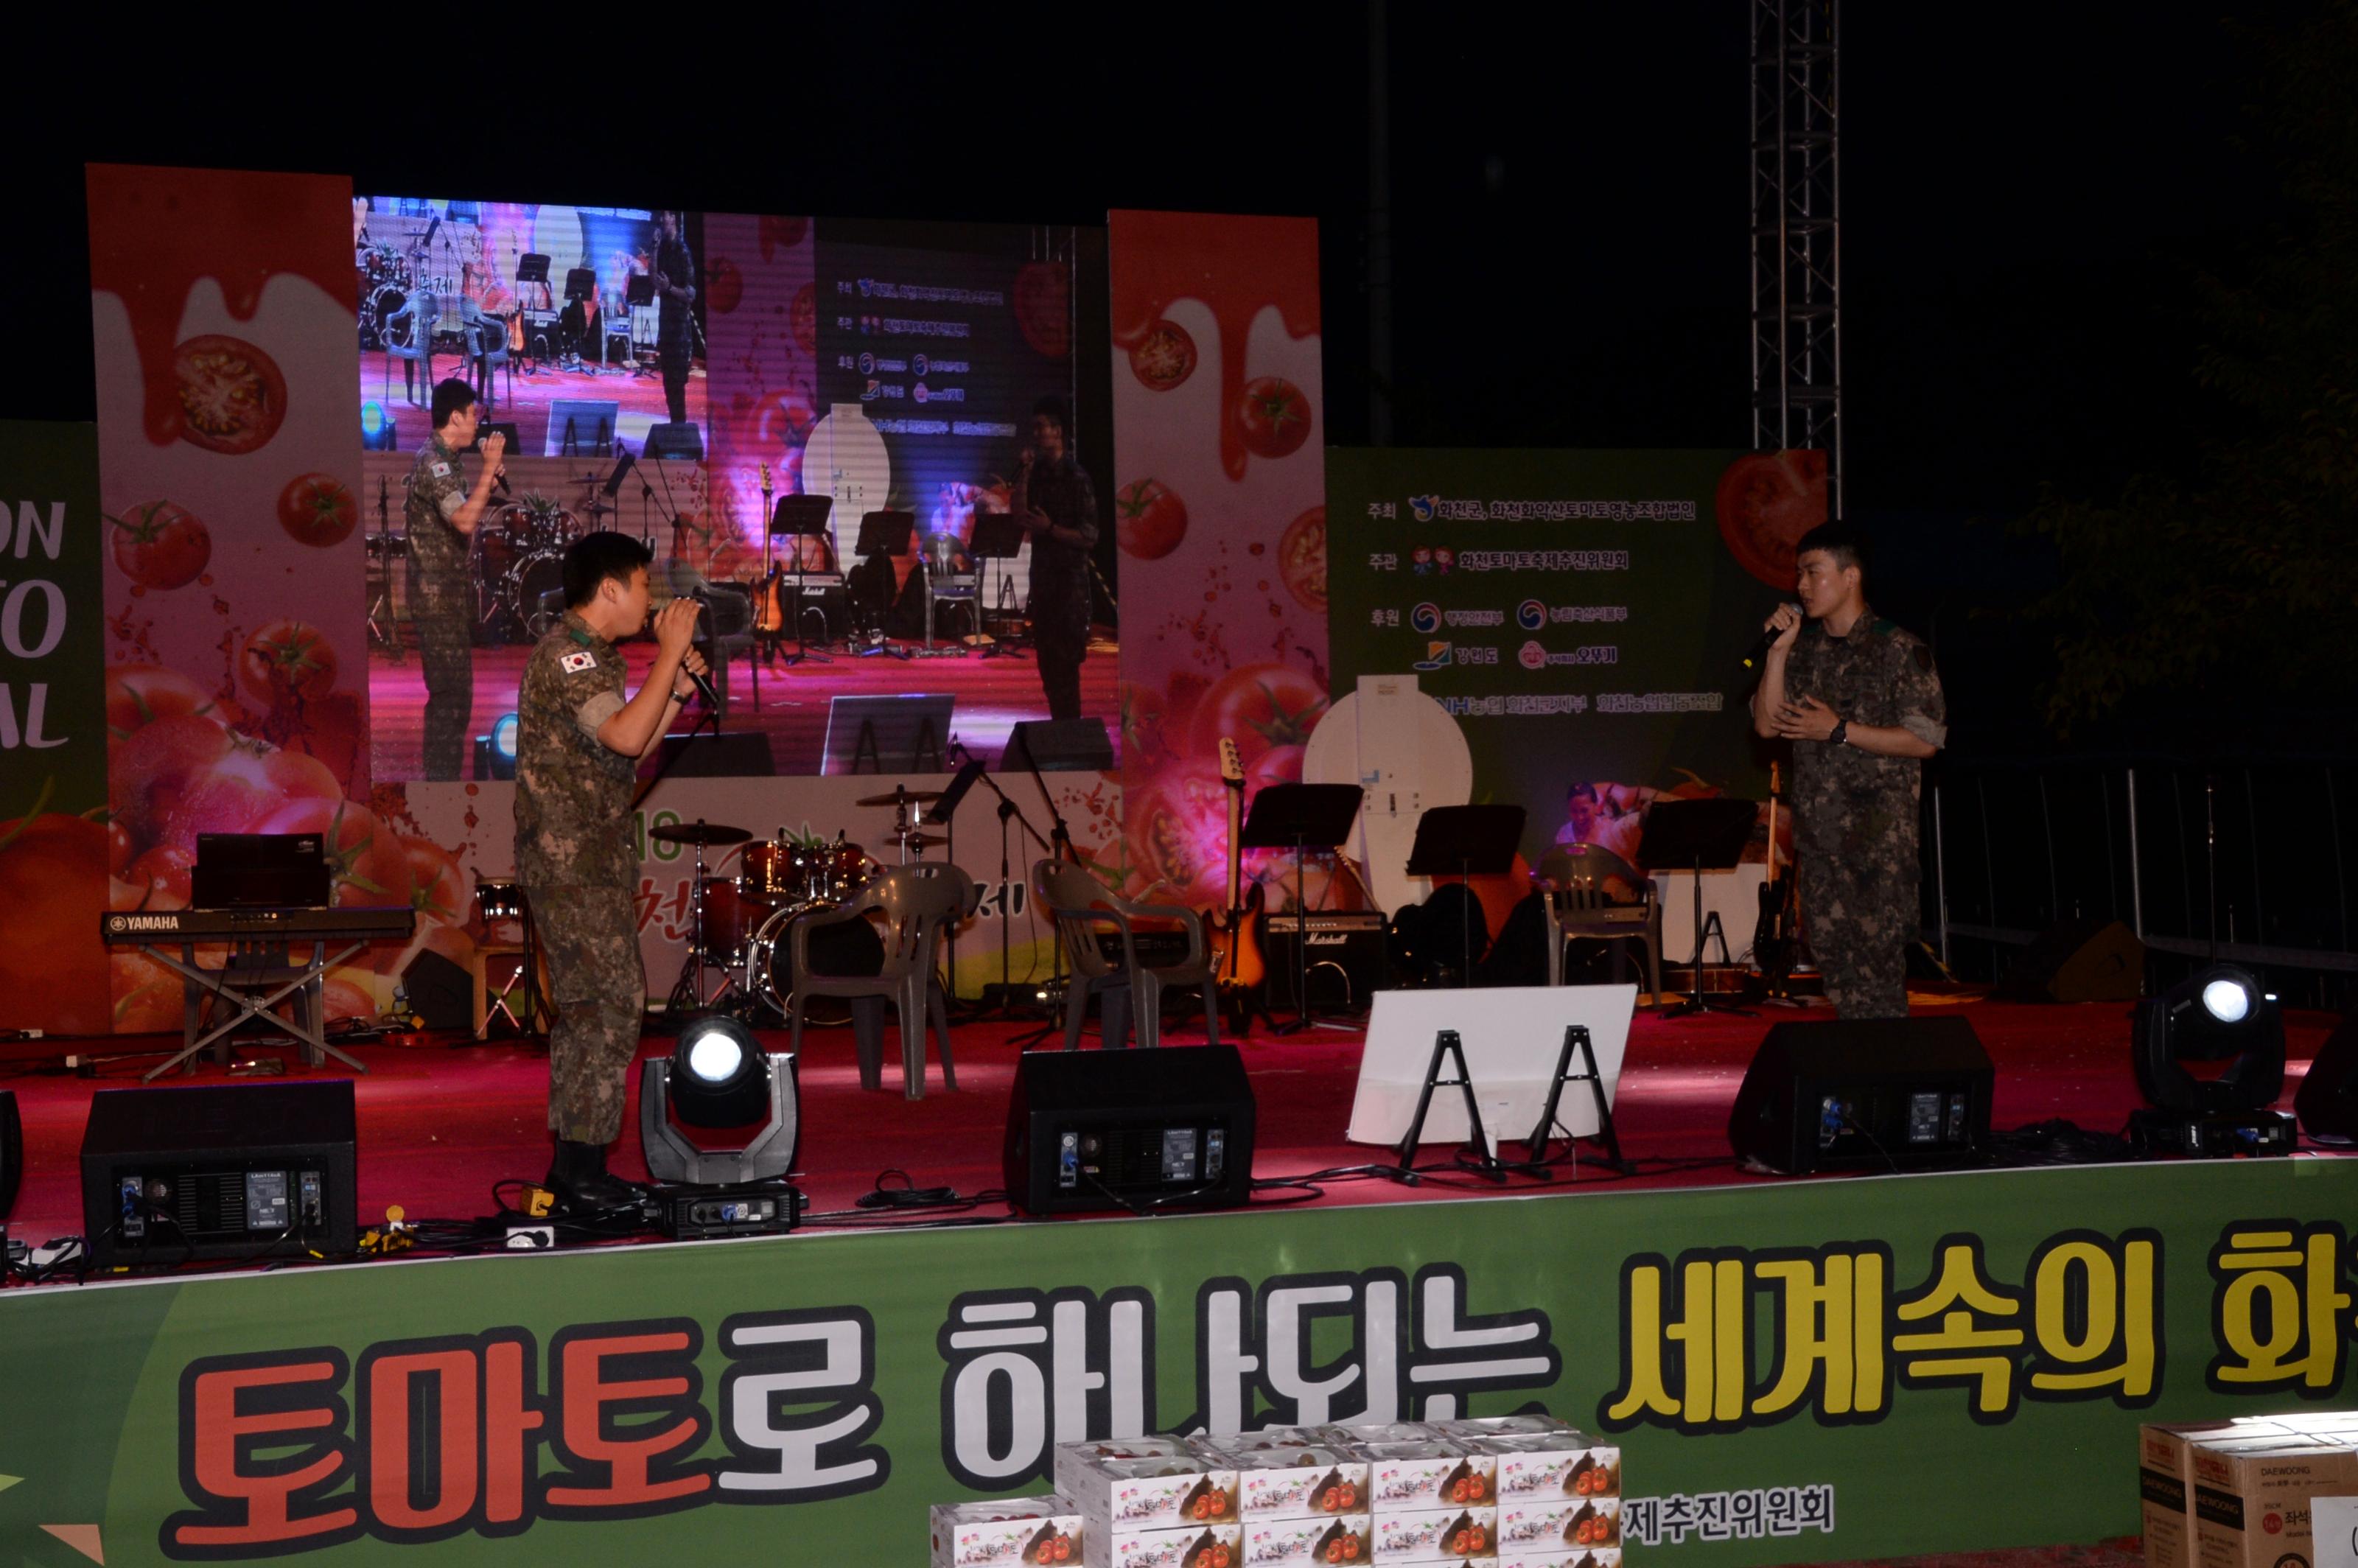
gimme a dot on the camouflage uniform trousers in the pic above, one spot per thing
(590, 936)
(446, 650)
(1859, 913)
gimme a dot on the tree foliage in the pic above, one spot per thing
(2230, 575)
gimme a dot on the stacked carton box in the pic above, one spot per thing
(1411, 1493)
(2235, 1494)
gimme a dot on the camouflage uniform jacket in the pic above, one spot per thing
(1852, 806)
(438, 551)
(573, 793)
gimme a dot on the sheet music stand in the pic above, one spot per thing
(1466, 841)
(886, 533)
(997, 537)
(1301, 817)
(802, 516)
(1699, 834)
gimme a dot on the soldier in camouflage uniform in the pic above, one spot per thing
(1058, 508)
(578, 742)
(442, 512)
(1861, 703)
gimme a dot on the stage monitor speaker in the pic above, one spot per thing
(681, 442)
(2327, 1101)
(735, 754)
(440, 991)
(12, 1152)
(219, 1171)
(2079, 960)
(1874, 1093)
(1137, 1130)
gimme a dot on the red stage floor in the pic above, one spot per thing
(993, 695)
(440, 1125)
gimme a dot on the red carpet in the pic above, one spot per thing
(440, 1125)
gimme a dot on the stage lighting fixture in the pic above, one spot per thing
(2217, 1014)
(379, 433)
(718, 1078)
(495, 754)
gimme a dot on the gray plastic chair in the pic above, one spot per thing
(918, 902)
(1081, 905)
(423, 316)
(1578, 906)
(730, 617)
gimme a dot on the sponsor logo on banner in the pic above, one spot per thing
(1425, 618)
(1423, 506)
(1535, 657)
(1530, 615)
(920, 364)
(1436, 658)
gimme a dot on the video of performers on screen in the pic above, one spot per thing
(677, 376)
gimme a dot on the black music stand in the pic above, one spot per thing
(998, 536)
(802, 516)
(532, 268)
(1301, 817)
(1465, 842)
(1699, 834)
(885, 533)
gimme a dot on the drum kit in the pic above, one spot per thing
(743, 907)
(519, 584)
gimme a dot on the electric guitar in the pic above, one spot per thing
(769, 613)
(1234, 934)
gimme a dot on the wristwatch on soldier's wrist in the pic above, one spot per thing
(1839, 733)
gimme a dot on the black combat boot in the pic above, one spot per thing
(581, 1183)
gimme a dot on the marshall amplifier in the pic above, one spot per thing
(1346, 957)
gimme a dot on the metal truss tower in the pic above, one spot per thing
(1797, 232)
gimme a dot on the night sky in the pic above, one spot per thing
(2024, 196)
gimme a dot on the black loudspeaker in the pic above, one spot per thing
(440, 991)
(683, 441)
(2327, 1101)
(12, 1152)
(1136, 1129)
(221, 1170)
(2079, 960)
(1877, 1094)
(738, 755)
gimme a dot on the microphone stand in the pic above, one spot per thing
(1007, 810)
(674, 1017)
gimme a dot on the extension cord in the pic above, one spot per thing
(906, 1197)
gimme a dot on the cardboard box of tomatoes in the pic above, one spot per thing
(1014, 1531)
(1288, 1473)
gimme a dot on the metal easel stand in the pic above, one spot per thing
(1485, 1163)
(1536, 1160)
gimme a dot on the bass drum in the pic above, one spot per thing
(537, 577)
(389, 300)
(852, 947)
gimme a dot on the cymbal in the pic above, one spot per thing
(901, 795)
(706, 833)
(921, 840)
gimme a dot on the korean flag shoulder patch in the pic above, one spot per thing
(574, 664)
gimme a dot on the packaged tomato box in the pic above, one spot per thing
(1027, 1530)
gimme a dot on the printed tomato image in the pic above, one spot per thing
(805, 317)
(146, 995)
(185, 776)
(54, 885)
(1259, 706)
(138, 695)
(1164, 357)
(1765, 502)
(1274, 417)
(1150, 519)
(317, 509)
(232, 397)
(781, 234)
(161, 544)
(1301, 558)
(162, 877)
(1042, 299)
(287, 659)
(724, 286)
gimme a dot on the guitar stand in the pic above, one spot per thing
(1536, 1160)
(1485, 1163)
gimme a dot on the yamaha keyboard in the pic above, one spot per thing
(350, 923)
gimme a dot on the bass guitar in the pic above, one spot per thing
(769, 609)
(1234, 934)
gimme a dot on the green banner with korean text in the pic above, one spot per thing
(1796, 1371)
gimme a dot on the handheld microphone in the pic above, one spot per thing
(1759, 650)
(703, 688)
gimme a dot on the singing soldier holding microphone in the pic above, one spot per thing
(1861, 703)
(441, 515)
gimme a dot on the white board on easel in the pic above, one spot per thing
(1512, 1036)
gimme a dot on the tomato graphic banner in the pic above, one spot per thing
(1798, 1371)
(1219, 512)
(53, 831)
(1582, 615)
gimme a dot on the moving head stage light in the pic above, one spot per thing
(2217, 1014)
(717, 1080)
